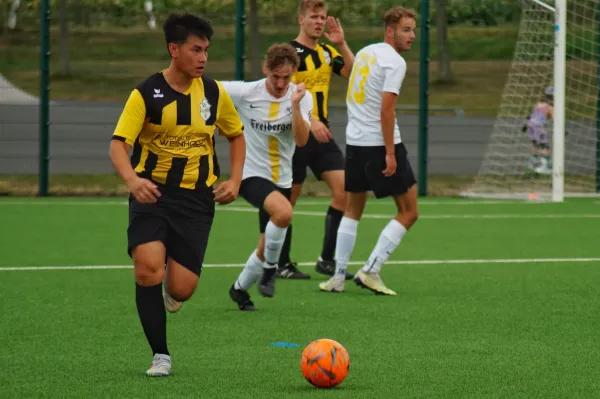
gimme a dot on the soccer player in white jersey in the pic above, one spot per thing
(276, 115)
(376, 159)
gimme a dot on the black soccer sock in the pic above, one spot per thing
(151, 310)
(284, 258)
(332, 223)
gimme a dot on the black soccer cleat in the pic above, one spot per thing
(266, 284)
(290, 271)
(327, 267)
(242, 298)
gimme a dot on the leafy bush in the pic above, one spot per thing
(276, 12)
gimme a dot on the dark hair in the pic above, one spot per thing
(281, 54)
(178, 27)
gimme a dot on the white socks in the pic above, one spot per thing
(274, 239)
(251, 273)
(346, 238)
(388, 240)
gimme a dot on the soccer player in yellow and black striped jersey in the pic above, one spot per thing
(169, 121)
(321, 154)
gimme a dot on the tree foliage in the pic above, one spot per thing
(357, 13)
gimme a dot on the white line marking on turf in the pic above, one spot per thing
(84, 202)
(365, 216)
(456, 216)
(392, 262)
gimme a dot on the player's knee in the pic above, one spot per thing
(339, 199)
(149, 273)
(282, 217)
(182, 291)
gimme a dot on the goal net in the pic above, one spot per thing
(565, 159)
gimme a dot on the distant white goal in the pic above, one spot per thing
(557, 51)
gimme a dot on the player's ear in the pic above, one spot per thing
(173, 49)
(300, 18)
(265, 69)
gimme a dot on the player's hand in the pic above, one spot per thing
(299, 94)
(226, 192)
(336, 33)
(390, 165)
(320, 131)
(144, 191)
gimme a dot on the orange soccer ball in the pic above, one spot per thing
(325, 363)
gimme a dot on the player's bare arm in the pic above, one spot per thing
(336, 37)
(227, 191)
(300, 129)
(388, 119)
(142, 189)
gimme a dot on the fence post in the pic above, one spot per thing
(44, 123)
(240, 24)
(423, 98)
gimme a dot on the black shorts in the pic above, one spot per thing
(255, 190)
(363, 171)
(319, 157)
(181, 219)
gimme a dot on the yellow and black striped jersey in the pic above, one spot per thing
(315, 71)
(172, 133)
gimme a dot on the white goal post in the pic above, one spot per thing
(557, 51)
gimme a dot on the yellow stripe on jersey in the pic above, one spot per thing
(274, 145)
(274, 111)
(274, 156)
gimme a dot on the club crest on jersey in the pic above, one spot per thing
(288, 111)
(327, 57)
(205, 109)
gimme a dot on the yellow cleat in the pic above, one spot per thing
(372, 281)
(334, 284)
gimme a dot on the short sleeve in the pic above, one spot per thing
(236, 90)
(306, 107)
(394, 76)
(228, 120)
(132, 119)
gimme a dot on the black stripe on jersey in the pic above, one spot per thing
(136, 154)
(149, 165)
(202, 172)
(184, 110)
(304, 54)
(316, 59)
(154, 101)
(211, 93)
(320, 106)
(216, 167)
(175, 174)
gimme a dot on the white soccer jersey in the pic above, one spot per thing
(267, 123)
(377, 68)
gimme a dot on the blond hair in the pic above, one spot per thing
(311, 5)
(393, 16)
(281, 54)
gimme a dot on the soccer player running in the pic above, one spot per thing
(376, 159)
(277, 115)
(321, 154)
(536, 130)
(169, 120)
